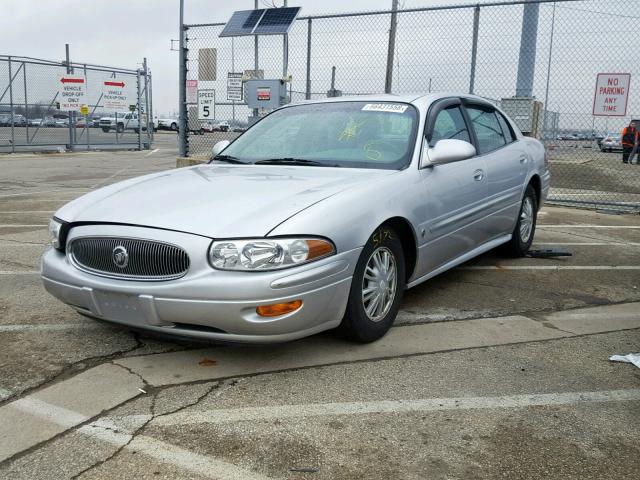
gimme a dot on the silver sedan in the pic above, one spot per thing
(318, 217)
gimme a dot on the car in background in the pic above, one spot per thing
(611, 142)
(125, 121)
(168, 123)
(222, 126)
(61, 122)
(318, 217)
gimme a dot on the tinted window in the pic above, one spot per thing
(487, 128)
(450, 124)
(506, 128)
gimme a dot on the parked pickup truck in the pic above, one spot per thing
(125, 121)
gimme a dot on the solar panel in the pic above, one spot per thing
(242, 23)
(271, 21)
(276, 21)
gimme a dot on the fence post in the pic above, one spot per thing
(546, 90)
(26, 104)
(392, 47)
(183, 146)
(307, 94)
(139, 105)
(86, 117)
(13, 134)
(474, 47)
(146, 103)
(69, 113)
(151, 104)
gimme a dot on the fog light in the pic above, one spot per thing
(278, 309)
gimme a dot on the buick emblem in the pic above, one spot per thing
(120, 256)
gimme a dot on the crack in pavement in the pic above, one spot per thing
(140, 430)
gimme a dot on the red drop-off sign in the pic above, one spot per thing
(612, 94)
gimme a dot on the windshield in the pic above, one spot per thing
(343, 134)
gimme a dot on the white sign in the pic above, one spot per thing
(114, 97)
(234, 87)
(192, 91)
(206, 104)
(612, 93)
(71, 92)
(385, 107)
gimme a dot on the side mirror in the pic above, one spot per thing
(219, 147)
(447, 151)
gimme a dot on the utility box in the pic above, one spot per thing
(526, 112)
(267, 94)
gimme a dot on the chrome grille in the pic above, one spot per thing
(147, 259)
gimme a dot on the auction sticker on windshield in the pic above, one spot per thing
(385, 107)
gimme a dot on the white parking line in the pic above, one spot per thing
(394, 406)
(65, 190)
(19, 272)
(26, 211)
(588, 244)
(542, 225)
(152, 152)
(550, 267)
(19, 225)
(102, 182)
(47, 327)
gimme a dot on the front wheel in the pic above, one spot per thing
(376, 289)
(522, 236)
(105, 130)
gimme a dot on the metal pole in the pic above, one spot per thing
(151, 104)
(26, 104)
(139, 105)
(69, 113)
(146, 102)
(333, 81)
(255, 56)
(391, 47)
(474, 47)
(86, 117)
(233, 69)
(307, 94)
(546, 92)
(527, 59)
(13, 133)
(182, 89)
(285, 51)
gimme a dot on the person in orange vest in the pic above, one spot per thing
(629, 139)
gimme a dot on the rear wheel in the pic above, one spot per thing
(105, 130)
(174, 126)
(522, 236)
(120, 128)
(376, 289)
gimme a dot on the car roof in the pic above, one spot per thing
(418, 99)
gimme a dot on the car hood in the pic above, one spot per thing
(216, 200)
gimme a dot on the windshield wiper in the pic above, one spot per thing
(293, 161)
(228, 159)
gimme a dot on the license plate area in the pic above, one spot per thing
(120, 306)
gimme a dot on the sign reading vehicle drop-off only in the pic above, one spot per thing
(71, 92)
(114, 97)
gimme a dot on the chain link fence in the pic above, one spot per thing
(31, 117)
(462, 48)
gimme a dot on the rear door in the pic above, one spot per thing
(455, 192)
(507, 163)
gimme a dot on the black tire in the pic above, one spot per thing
(174, 127)
(136, 130)
(105, 130)
(201, 131)
(357, 325)
(522, 237)
(120, 128)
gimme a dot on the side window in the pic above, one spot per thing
(450, 124)
(509, 136)
(487, 128)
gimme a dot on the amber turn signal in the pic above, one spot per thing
(318, 248)
(278, 309)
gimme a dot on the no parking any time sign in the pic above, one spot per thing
(612, 93)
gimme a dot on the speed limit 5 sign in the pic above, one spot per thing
(206, 104)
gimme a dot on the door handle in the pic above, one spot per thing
(523, 159)
(478, 175)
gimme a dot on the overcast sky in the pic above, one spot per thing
(122, 32)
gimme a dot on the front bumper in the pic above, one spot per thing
(205, 303)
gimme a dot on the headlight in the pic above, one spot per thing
(267, 254)
(55, 228)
